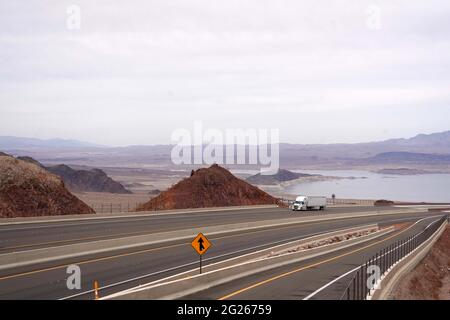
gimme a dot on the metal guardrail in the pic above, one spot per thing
(364, 280)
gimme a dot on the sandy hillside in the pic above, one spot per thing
(209, 187)
(29, 190)
(430, 280)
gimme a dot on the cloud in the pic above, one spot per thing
(149, 67)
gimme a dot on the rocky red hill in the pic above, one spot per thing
(29, 190)
(209, 187)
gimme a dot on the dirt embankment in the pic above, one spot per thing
(209, 187)
(28, 190)
(430, 280)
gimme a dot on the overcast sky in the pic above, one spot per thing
(320, 71)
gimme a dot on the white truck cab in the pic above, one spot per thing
(309, 203)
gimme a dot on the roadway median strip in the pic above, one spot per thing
(30, 257)
(218, 273)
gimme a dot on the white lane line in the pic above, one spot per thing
(150, 218)
(205, 260)
(149, 215)
(353, 270)
(222, 256)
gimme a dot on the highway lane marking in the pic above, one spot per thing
(158, 249)
(87, 238)
(354, 270)
(317, 263)
(146, 251)
(144, 217)
(267, 245)
(86, 222)
(196, 262)
(71, 240)
(279, 242)
(107, 237)
(98, 237)
(141, 215)
(111, 285)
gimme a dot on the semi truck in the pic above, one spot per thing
(309, 203)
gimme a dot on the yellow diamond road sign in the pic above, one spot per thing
(201, 244)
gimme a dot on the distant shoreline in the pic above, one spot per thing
(407, 172)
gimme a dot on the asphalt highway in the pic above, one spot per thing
(27, 236)
(313, 278)
(119, 270)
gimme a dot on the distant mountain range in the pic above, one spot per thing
(408, 157)
(13, 143)
(435, 143)
(431, 149)
(282, 175)
(94, 180)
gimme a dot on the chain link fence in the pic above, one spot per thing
(115, 207)
(332, 201)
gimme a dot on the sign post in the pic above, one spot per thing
(201, 244)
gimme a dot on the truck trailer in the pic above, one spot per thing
(303, 203)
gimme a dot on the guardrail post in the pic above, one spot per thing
(388, 257)
(391, 247)
(386, 260)
(365, 281)
(403, 250)
(353, 285)
(357, 285)
(397, 251)
(361, 284)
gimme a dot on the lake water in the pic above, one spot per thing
(428, 187)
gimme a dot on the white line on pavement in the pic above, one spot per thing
(353, 270)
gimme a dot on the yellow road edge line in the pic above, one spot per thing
(143, 251)
(137, 233)
(310, 266)
(76, 239)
